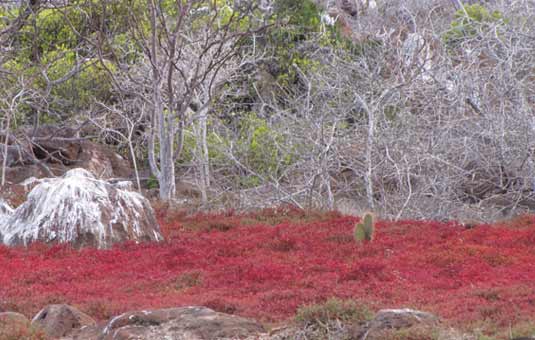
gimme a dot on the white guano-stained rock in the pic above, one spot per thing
(5, 209)
(5, 212)
(79, 209)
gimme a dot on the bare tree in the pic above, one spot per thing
(188, 46)
(416, 123)
(108, 126)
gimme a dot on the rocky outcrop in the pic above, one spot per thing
(15, 155)
(200, 323)
(193, 323)
(98, 159)
(388, 321)
(78, 208)
(184, 323)
(401, 318)
(50, 151)
(101, 161)
(60, 320)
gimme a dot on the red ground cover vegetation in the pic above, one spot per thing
(265, 265)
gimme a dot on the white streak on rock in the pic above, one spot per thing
(5, 212)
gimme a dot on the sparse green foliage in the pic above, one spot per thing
(470, 21)
(364, 230)
(262, 149)
(54, 57)
(152, 182)
(295, 23)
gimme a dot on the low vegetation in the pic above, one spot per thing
(278, 264)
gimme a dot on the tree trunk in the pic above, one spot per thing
(369, 160)
(4, 161)
(166, 173)
(203, 157)
(134, 161)
(167, 178)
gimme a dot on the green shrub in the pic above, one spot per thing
(294, 23)
(261, 148)
(216, 144)
(152, 182)
(346, 311)
(78, 92)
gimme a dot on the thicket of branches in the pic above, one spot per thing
(420, 109)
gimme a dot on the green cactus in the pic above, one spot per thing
(365, 229)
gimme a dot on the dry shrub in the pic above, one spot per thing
(187, 280)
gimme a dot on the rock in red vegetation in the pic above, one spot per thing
(83, 211)
(401, 318)
(61, 320)
(192, 323)
(14, 326)
(388, 320)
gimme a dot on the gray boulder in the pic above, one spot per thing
(186, 323)
(387, 321)
(60, 320)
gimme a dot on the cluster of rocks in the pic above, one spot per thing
(68, 323)
(79, 209)
(192, 323)
(53, 150)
